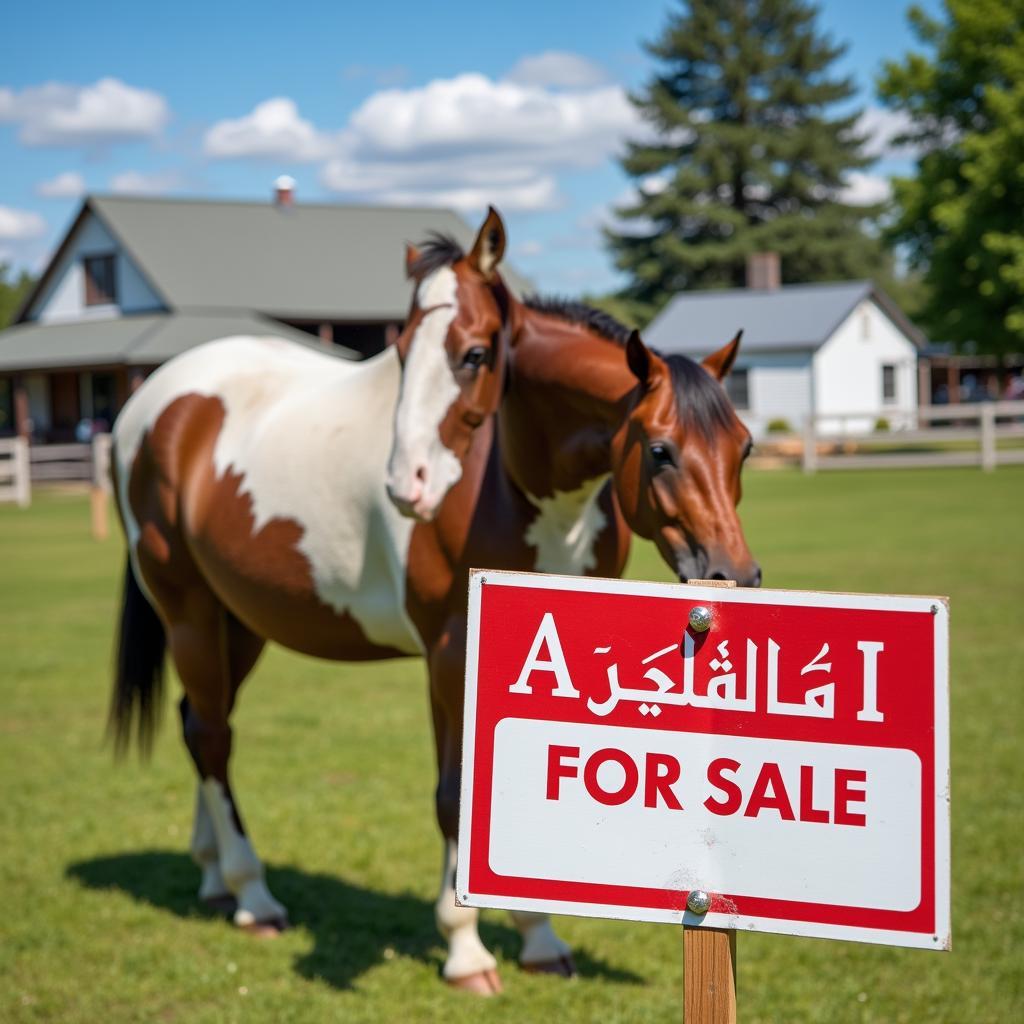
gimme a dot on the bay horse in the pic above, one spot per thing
(250, 478)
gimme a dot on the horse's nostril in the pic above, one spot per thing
(421, 474)
(717, 576)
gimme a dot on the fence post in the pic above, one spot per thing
(810, 446)
(100, 486)
(988, 437)
(22, 473)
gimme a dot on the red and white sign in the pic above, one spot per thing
(792, 761)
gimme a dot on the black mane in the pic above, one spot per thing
(702, 402)
(580, 313)
(436, 251)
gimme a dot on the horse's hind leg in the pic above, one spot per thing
(244, 649)
(212, 654)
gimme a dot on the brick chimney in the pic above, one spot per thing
(284, 191)
(764, 271)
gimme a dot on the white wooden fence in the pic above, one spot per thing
(15, 483)
(946, 435)
(21, 463)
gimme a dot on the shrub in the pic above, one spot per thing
(882, 425)
(779, 426)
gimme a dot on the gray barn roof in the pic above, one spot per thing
(130, 340)
(315, 261)
(791, 317)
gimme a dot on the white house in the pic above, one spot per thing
(830, 349)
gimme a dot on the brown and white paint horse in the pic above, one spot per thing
(251, 483)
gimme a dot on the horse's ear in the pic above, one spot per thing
(638, 356)
(489, 247)
(719, 363)
(412, 255)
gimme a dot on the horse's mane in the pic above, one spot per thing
(596, 320)
(436, 251)
(701, 400)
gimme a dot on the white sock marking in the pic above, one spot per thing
(241, 868)
(466, 953)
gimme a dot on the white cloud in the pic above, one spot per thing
(57, 114)
(20, 225)
(273, 130)
(558, 69)
(140, 183)
(470, 140)
(471, 113)
(865, 189)
(68, 185)
(881, 126)
(529, 247)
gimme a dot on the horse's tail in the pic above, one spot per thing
(138, 669)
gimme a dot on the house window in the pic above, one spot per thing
(100, 284)
(737, 387)
(888, 383)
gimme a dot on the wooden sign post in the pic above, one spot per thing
(709, 954)
(709, 975)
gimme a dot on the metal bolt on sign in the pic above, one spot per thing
(700, 619)
(698, 902)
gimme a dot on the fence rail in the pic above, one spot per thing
(15, 482)
(60, 461)
(983, 425)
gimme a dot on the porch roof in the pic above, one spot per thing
(146, 340)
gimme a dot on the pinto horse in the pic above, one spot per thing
(250, 477)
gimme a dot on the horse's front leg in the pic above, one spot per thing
(543, 951)
(469, 965)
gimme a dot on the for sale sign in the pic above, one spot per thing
(790, 759)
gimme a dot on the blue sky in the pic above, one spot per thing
(522, 105)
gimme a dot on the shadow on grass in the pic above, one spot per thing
(353, 928)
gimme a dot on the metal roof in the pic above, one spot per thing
(131, 340)
(791, 317)
(316, 261)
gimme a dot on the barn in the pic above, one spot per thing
(135, 281)
(844, 352)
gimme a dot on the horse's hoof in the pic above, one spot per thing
(563, 966)
(266, 929)
(483, 983)
(224, 904)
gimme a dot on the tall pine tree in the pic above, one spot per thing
(745, 156)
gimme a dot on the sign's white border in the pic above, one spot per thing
(878, 602)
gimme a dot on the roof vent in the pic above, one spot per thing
(284, 191)
(764, 271)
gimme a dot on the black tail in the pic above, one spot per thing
(139, 670)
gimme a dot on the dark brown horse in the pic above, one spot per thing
(251, 482)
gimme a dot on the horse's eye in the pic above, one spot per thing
(662, 455)
(475, 357)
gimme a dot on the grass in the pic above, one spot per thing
(334, 770)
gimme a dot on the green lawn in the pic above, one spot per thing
(334, 771)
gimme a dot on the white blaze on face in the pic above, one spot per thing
(422, 470)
